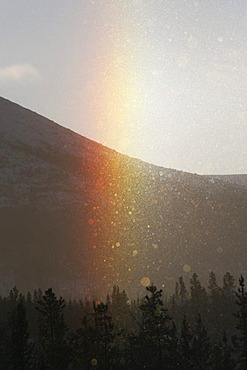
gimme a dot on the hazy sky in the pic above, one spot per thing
(161, 80)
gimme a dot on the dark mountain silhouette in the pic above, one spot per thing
(80, 217)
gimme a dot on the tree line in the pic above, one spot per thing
(194, 328)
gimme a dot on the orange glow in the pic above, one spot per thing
(90, 221)
(116, 88)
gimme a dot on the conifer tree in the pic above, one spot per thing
(5, 350)
(155, 329)
(221, 355)
(200, 346)
(185, 351)
(212, 283)
(228, 285)
(182, 291)
(93, 341)
(103, 334)
(227, 359)
(29, 298)
(83, 343)
(20, 344)
(53, 331)
(119, 308)
(241, 314)
(14, 294)
(228, 307)
(198, 300)
(228, 280)
(172, 350)
(37, 295)
(216, 307)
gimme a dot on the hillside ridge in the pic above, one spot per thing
(79, 216)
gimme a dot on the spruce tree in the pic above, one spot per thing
(103, 334)
(185, 343)
(119, 308)
(198, 300)
(155, 329)
(20, 343)
(182, 291)
(83, 344)
(5, 348)
(241, 314)
(200, 346)
(216, 307)
(228, 281)
(221, 355)
(52, 332)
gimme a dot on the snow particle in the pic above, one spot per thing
(187, 268)
(134, 253)
(219, 250)
(90, 221)
(145, 281)
(94, 362)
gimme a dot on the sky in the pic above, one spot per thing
(159, 80)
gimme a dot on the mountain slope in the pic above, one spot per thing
(80, 217)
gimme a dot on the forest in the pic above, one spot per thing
(196, 327)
